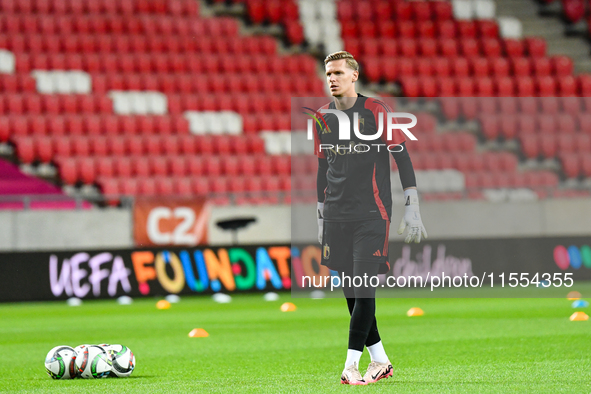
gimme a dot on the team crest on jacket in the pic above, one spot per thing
(326, 251)
(361, 125)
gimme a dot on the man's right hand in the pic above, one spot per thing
(320, 213)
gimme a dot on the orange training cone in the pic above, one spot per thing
(415, 312)
(288, 307)
(573, 295)
(198, 333)
(163, 304)
(579, 316)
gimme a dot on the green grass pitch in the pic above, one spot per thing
(459, 345)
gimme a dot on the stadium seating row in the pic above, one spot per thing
(397, 10)
(575, 165)
(167, 186)
(445, 30)
(167, 27)
(126, 7)
(448, 47)
(136, 43)
(511, 126)
(441, 29)
(465, 162)
(447, 142)
(548, 145)
(58, 125)
(546, 86)
(393, 68)
(189, 66)
(470, 108)
(17, 83)
(55, 104)
(158, 63)
(514, 179)
(88, 169)
(273, 11)
(44, 149)
(425, 29)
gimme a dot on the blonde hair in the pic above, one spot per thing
(350, 60)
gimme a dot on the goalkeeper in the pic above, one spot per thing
(355, 207)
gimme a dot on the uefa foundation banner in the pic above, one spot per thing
(545, 267)
(143, 272)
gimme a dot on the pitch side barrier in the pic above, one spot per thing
(513, 267)
(527, 267)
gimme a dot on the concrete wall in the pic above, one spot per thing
(63, 230)
(479, 219)
(109, 228)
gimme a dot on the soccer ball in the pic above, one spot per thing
(60, 362)
(79, 348)
(92, 362)
(123, 360)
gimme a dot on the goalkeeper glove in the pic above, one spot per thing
(320, 221)
(412, 218)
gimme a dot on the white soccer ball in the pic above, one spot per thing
(123, 360)
(60, 362)
(80, 347)
(92, 362)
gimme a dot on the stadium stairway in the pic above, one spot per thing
(552, 28)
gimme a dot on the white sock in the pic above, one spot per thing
(353, 357)
(377, 353)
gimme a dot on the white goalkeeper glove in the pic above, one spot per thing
(412, 218)
(320, 212)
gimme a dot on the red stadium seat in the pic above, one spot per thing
(489, 125)
(479, 66)
(573, 10)
(536, 47)
(570, 166)
(426, 29)
(424, 66)
(584, 85)
(508, 126)
(410, 87)
(469, 47)
(448, 47)
(491, 48)
(466, 29)
(548, 145)
(461, 67)
(441, 10)
(447, 88)
(68, 171)
(428, 87)
(542, 66)
(428, 47)
(529, 146)
(567, 86)
(525, 87)
(521, 66)
(563, 65)
(487, 28)
(465, 87)
(484, 87)
(546, 86)
(549, 105)
(446, 29)
(513, 47)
